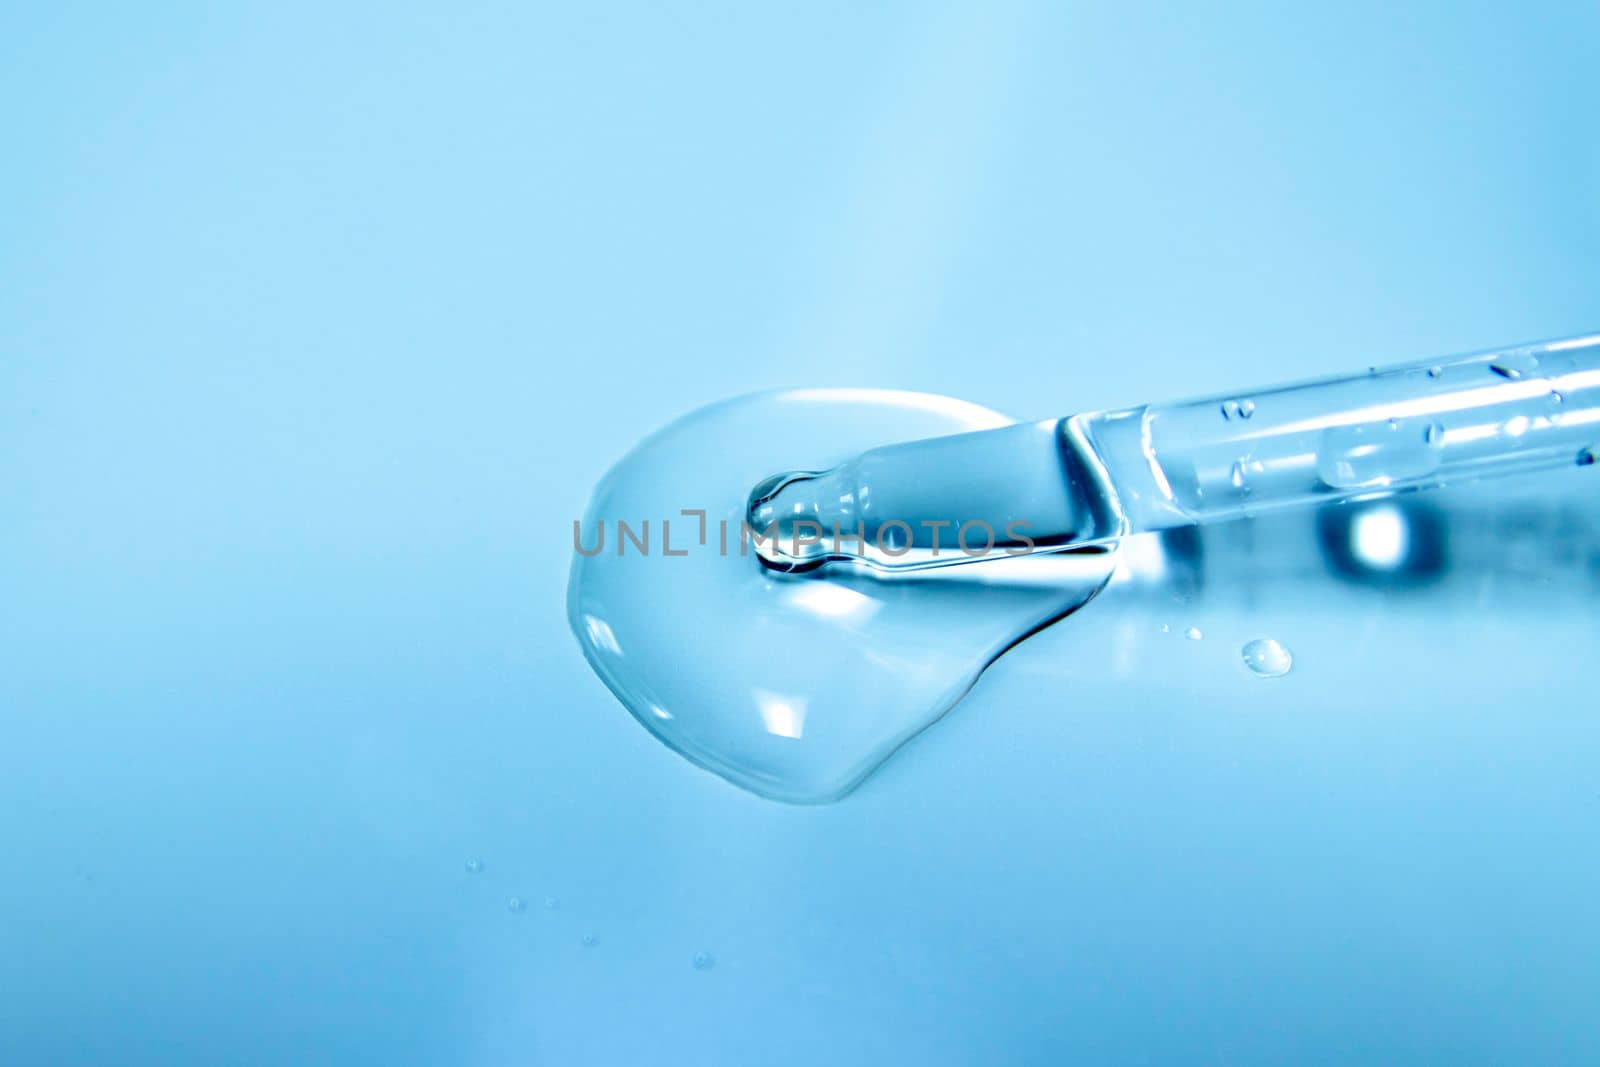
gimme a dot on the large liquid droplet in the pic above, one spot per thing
(793, 686)
(1267, 658)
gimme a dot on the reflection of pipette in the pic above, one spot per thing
(1090, 479)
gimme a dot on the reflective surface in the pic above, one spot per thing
(320, 325)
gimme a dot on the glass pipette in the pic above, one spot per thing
(1090, 479)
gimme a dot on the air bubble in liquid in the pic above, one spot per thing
(1515, 365)
(517, 905)
(704, 961)
(1267, 658)
(1193, 633)
(1373, 454)
(474, 866)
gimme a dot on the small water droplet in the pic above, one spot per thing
(1230, 408)
(1267, 658)
(589, 941)
(551, 903)
(1246, 408)
(1394, 424)
(1236, 476)
(1435, 372)
(474, 866)
(1434, 434)
(704, 961)
(1587, 456)
(517, 905)
(1193, 633)
(1165, 628)
(1516, 426)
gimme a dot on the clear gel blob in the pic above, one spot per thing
(795, 687)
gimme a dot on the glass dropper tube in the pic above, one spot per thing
(1089, 479)
(1387, 430)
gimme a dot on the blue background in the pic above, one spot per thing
(318, 325)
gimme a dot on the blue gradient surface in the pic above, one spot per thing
(318, 326)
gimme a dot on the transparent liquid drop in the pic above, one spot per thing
(1246, 408)
(1434, 434)
(1230, 409)
(1587, 456)
(517, 905)
(1435, 372)
(1193, 633)
(704, 961)
(796, 686)
(474, 866)
(1237, 475)
(1267, 658)
(589, 941)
